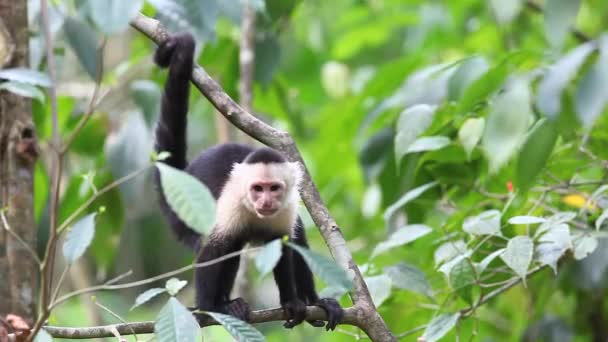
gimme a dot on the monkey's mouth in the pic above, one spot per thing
(266, 212)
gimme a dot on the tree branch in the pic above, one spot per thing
(370, 321)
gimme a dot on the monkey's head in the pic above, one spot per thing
(270, 183)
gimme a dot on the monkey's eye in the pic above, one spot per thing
(275, 187)
(258, 188)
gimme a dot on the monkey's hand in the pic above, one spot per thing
(177, 49)
(334, 311)
(238, 308)
(295, 310)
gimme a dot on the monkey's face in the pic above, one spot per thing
(267, 197)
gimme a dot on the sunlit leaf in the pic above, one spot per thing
(79, 238)
(470, 133)
(526, 220)
(439, 326)
(486, 223)
(174, 285)
(331, 273)
(558, 77)
(379, 288)
(372, 199)
(507, 123)
(560, 15)
(467, 72)
(23, 89)
(189, 198)
(147, 295)
(268, 257)
(506, 11)
(584, 244)
(408, 277)
(240, 330)
(24, 75)
(402, 236)
(518, 255)
(113, 16)
(412, 122)
(535, 152)
(553, 244)
(428, 144)
(483, 264)
(83, 41)
(592, 92)
(406, 198)
(175, 323)
(448, 251)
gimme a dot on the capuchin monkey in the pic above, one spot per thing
(257, 198)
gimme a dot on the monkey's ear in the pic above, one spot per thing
(297, 171)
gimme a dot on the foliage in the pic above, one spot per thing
(460, 145)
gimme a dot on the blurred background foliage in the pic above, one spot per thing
(499, 103)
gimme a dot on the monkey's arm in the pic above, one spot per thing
(306, 286)
(284, 275)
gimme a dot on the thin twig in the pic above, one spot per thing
(115, 315)
(411, 331)
(29, 248)
(60, 282)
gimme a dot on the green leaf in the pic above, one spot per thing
(379, 288)
(408, 277)
(83, 41)
(535, 152)
(269, 256)
(175, 323)
(146, 94)
(331, 273)
(526, 220)
(147, 295)
(240, 330)
(468, 71)
(372, 199)
(79, 238)
(402, 236)
(553, 244)
(470, 133)
(483, 87)
(486, 223)
(488, 259)
(189, 198)
(23, 89)
(506, 11)
(592, 92)
(518, 255)
(600, 220)
(507, 123)
(113, 16)
(448, 251)
(584, 244)
(412, 122)
(43, 336)
(24, 75)
(462, 277)
(439, 326)
(560, 16)
(174, 285)
(428, 144)
(550, 89)
(405, 199)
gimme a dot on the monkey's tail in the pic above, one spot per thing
(177, 53)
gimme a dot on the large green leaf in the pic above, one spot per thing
(79, 238)
(483, 87)
(468, 71)
(379, 288)
(189, 198)
(428, 144)
(409, 196)
(462, 277)
(83, 41)
(27, 76)
(412, 122)
(535, 152)
(439, 326)
(553, 244)
(592, 92)
(147, 295)
(402, 236)
(558, 77)
(486, 223)
(470, 133)
(331, 273)
(507, 123)
(560, 15)
(518, 255)
(268, 257)
(408, 277)
(240, 330)
(113, 16)
(176, 323)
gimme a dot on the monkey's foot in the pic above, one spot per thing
(295, 310)
(334, 311)
(238, 308)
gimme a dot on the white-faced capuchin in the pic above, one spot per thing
(257, 197)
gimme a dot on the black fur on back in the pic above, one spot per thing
(265, 155)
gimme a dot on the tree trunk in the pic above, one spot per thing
(18, 153)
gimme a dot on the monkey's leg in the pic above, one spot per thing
(214, 282)
(306, 286)
(294, 308)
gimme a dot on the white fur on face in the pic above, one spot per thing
(235, 211)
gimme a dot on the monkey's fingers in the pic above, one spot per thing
(317, 323)
(295, 311)
(238, 308)
(334, 312)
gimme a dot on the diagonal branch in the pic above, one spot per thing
(371, 322)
